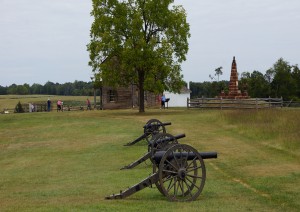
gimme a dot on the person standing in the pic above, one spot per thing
(163, 100)
(88, 104)
(48, 105)
(58, 105)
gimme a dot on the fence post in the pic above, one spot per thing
(281, 102)
(269, 102)
(221, 103)
(256, 103)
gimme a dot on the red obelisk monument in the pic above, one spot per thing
(234, 92)
(234, 81)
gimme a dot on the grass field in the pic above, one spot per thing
(70, 161)
(10, 101)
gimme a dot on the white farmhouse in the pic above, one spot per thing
(178, 99)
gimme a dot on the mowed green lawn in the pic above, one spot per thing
(70, 161)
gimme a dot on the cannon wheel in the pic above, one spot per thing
(159, 147)
(156, 127)
(181, 179)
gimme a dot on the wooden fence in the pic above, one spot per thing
(42, 107)
(220, 103)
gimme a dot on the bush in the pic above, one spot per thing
(19, 108)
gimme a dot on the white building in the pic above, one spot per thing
(178, 99)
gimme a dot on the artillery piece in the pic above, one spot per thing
(151, 128)
(159, 142)
(178, 172)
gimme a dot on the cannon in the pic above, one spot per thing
(159, 142)
(151, 128)
(178, 172)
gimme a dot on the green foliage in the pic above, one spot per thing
(255, 84)
(139, 42)
(208, 89)
(77, 88)
(218, 72)
(283, 83)
(3, 90)
(281, 80)
(19, 108)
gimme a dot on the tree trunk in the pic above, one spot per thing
(141, 90)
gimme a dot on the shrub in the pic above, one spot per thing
(19, 108)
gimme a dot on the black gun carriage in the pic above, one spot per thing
(178, 172)
(151, 128)
(159, 142)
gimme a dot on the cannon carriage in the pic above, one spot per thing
(178, 170)
(151, 128)
(159, 142)
(179, 174)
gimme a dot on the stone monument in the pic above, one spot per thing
(234, 92)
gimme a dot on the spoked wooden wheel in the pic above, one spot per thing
(157, 144)
(182, 173)
(154, 127)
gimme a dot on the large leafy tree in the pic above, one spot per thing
(140, 42)
(283, 84)
(260, 86)
(296, 78)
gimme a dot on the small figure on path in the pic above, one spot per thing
(163, 100)
(59, 104)
(88, 104)
(48, 105)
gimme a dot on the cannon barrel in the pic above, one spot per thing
(189, 155)
(168, 139)
(159, 124)
(149, 154)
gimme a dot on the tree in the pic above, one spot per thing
(218, 72)
(22, 89)
(139, 42)
(208, 89)
(269, 76)
(19, 108)
(258, 86)
(283, 84)
(12, 89)
(49, 88)
(3, 90)
(296, 79)
(36, 89)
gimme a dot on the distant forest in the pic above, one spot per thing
(77, 88)
(282, 80)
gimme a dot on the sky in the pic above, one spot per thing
(45, 40)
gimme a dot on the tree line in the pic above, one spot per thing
(77, 88)
(281, 80)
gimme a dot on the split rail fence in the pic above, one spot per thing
(220, 103)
